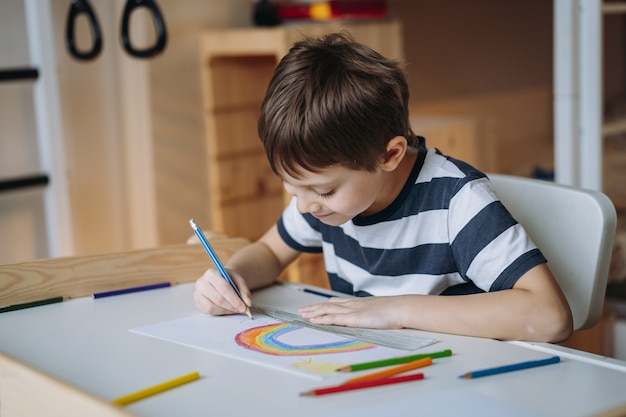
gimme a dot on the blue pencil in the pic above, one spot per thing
(216, 261)
(510, 368)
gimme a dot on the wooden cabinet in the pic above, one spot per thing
(462, 137)
(246, 198)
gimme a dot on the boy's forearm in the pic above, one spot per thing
(505, 315)
(256, 263)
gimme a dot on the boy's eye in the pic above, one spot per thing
(325, 195)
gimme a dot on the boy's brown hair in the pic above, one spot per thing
(333, 101)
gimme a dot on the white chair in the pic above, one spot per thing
(574, 228)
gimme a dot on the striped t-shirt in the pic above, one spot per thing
(446, 227)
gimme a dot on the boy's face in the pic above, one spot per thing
(337, 194)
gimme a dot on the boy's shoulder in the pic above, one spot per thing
(439, 166)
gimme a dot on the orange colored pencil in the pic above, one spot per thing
(405, 367)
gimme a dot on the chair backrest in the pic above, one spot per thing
(574, 228)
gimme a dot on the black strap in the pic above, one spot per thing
(159, 25)
(77, 8)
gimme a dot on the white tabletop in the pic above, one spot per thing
(87, 343)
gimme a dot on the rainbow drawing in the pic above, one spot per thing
(265, 339)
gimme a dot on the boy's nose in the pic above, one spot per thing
(307, 206)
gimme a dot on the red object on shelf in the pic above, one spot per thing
(333, 9)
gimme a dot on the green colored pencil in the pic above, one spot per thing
(394, 361)
(6, 309)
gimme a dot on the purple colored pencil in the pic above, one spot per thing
(131, 290)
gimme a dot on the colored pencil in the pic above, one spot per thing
(363, 384)
(156, 389)
(510, 368)
(405, 367)
(216, 261)
(131, 290)
(321, 294)
(394, 361)
(53, 300)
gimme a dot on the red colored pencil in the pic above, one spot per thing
(409, 366)
(363, 384)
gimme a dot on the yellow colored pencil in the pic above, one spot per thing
(164, 386)
(420, 363)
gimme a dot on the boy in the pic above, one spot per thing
(399, 224)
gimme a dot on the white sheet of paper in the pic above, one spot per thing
(265, 342)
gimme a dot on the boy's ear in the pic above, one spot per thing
(394, 153)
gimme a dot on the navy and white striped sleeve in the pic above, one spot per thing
(489, 246)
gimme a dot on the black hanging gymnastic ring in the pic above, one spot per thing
(77, 8)
(159, 25)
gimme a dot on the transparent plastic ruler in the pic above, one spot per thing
(397, 339)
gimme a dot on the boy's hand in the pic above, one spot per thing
(214, 295)
(367, 312)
